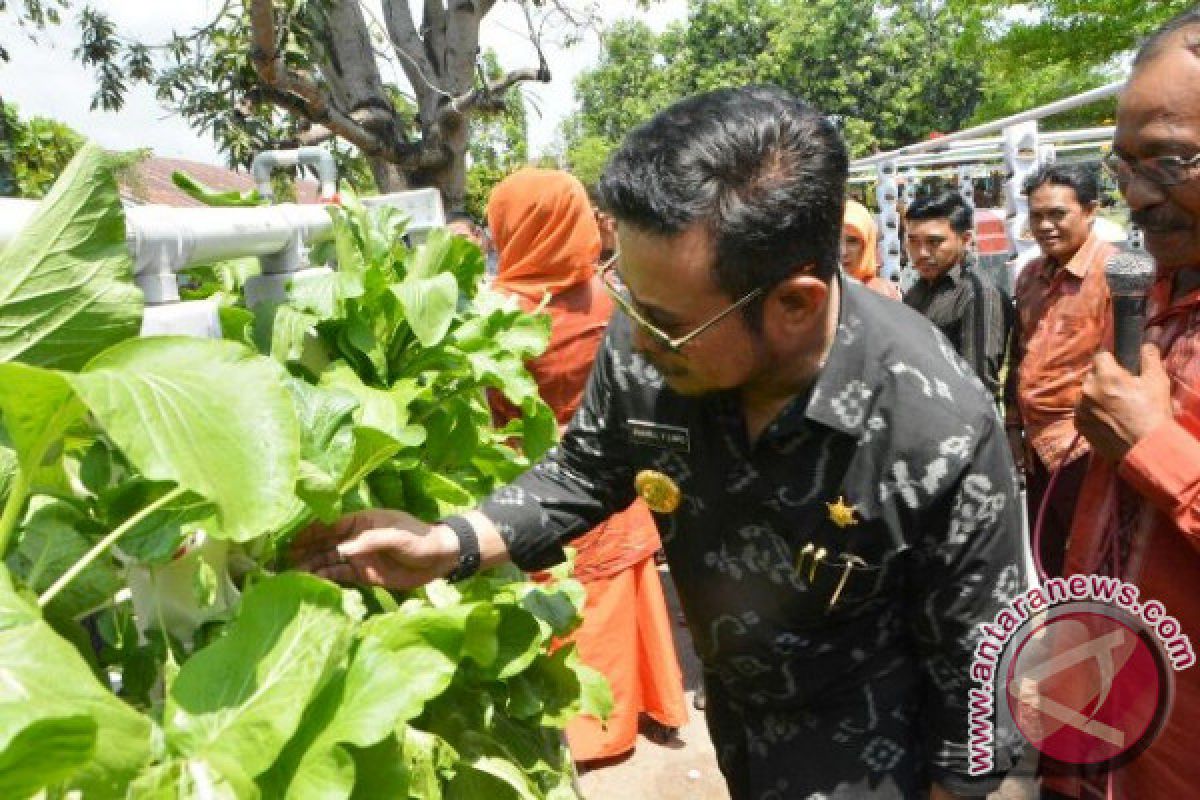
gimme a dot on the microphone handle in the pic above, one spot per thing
(1129, 320)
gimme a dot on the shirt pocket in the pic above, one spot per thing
(846, 570)
(1072, 340)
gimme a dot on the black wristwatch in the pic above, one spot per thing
(469, 558)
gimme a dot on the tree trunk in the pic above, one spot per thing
(460, 49)
(388, 177)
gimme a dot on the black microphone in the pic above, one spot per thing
(1129, 276)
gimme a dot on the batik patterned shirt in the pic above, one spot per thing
(890, 478)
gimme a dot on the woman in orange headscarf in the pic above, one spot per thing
(544, 229)
(860, 251)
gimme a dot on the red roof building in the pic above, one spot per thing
(149, 182)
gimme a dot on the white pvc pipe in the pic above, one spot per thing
(319, 158)
(163, 240)
(964, 156)
(1049, 110)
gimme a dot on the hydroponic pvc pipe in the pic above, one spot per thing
(164, 240)
(268, 161)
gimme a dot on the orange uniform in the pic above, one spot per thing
(546, 234)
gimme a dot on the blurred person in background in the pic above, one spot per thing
(546, 234)
(964, 305)
(1063, 317)
(860, 250)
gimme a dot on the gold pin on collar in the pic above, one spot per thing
(661, 493)
(842, 514)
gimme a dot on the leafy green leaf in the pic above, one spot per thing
(444, 253)
(206, 414)
(50, 542)
(382, 773)
(244, 696)
(360, 708)
(44, 752)
(38, 406)
(384, 409)
(66, 280)
(45, 678)
(213, 197)
(429, 305)
(212, 779)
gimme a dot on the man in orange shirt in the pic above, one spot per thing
(1140, 504)
(1064, 315)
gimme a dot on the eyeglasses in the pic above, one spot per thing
(1162, 170)
(621, 296)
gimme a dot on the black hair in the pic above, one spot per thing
(1074, 176)
(1156, 42)
(948, 205)
(763, 171)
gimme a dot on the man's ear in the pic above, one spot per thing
(796, 299)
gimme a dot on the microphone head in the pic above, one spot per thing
(1129, 273)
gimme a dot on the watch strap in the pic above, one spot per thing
(469, 558)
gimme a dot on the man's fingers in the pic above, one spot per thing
(339, 573)
(1151, 359)
(1104, 363)
(371, 541)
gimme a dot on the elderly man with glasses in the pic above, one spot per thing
(832, 484)
(1138, 515)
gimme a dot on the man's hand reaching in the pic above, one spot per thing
(384, 547)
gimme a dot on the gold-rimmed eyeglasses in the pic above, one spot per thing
(1162, 170)
(622, 297)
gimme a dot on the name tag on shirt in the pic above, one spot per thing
(667, 437)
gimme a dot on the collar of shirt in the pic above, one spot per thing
(948, 279)
(1163, 306)
(845, 366)
(1079, 264)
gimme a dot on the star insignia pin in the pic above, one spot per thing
(661, 493)
(841, 514)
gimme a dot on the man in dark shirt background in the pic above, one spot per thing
(963, 304)
(834, 490)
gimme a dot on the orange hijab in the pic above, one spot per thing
(859, 220)
(544, 229)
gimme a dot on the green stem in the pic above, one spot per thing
(18, 493)
(105, 543)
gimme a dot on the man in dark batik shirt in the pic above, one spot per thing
(835, 492)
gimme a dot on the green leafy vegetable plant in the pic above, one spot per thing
(152, 642)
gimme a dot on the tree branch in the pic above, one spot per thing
(316, 104)
(433, 28)
(409, 47)
(490, 96)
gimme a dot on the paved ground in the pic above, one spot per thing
(686, 769)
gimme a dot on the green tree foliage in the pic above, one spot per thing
(282, 73)
(882, 69)
(1038, 52)
(33, 152)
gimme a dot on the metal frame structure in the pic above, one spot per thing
(1020, 148)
